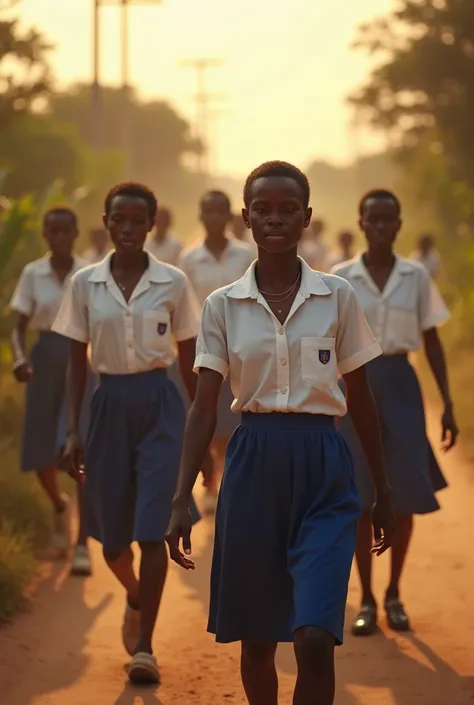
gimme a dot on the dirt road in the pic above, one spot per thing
(66, 649)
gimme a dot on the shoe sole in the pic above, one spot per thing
(141, 675)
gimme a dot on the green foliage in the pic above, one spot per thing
(425, 79)
(24, 71)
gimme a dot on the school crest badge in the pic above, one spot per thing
(324, 356)
(162, 328)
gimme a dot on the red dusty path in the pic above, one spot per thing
(66, 649)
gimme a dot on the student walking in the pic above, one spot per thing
(287, 515)
(404, 310)
(134, 312)
(36, 301)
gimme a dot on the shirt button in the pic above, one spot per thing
(280, 331)
(130, 344)
(283, 390)
(283, 362)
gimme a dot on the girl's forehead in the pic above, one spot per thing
(128, 203)
(276, 189)
(380, 205)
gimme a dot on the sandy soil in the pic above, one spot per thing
(66, 647)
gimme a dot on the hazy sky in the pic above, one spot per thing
(287, 67)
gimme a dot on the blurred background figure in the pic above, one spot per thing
(99, 247)
(312, 247)
(240, 231)
(344, 250)
(162, 243)
(427, 254)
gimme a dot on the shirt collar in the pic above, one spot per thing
(44, 268)
(156, 272)
(359, 270)
(312, 283)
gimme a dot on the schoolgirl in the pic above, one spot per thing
(287, 514)
(36, 301)
(404, 310)
(134, 312)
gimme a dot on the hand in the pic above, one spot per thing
(207, 470)
(74, 457)
(23, 373)
(450, 430)
(180, 528)
(383, 521)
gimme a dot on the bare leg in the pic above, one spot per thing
(122, 567)
(153, 569)
(259, 675)
(314, 650)
(401, 541)
(364, 557)
(82, 535)
(48, 478)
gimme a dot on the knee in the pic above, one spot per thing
(313, 643)
(112, 556)
(258, 652)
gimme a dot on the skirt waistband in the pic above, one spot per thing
(135, 378)
(290, 421)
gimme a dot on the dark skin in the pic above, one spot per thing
(381, 222)
(60, 232)
(215, 215)
(277, 215)
(128, 223)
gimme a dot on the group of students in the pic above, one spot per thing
(326, 452)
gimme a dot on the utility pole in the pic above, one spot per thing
(124, 6)
(203, 100)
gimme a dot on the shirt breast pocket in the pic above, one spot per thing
(318, 362)
(156, 330)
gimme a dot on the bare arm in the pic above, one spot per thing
(363, 413)
(437, 361)
(21, 367)
(75, 389)
(186, 356)
(199, 432)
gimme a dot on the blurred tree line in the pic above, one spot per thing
(47, 134)
(421, 93)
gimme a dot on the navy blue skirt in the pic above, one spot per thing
(227, 421)
(413, 470)
(132, 457)
(44, 427)
(286, 528)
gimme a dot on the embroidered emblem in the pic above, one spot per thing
(162, 328)
(324, 356)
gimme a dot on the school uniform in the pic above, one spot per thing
(409, 305)
(431, 261)
(135, 435)
(38, 296)
(287, 513)
(206, 274)
(168, 250)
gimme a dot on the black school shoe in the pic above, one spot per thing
(365, 624)
(397, 618)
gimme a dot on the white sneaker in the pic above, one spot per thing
(143, 669)
(209, 503)
(130, 629)
(62, 528)
(81, 561)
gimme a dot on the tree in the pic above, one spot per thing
(24, 71)
(424, 84)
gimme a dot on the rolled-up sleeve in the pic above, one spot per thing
(22, 300)
(72, 320)
(355, 342)
(211, 346)
(186, 315)
(433, 312)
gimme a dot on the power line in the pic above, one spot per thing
(203, 101)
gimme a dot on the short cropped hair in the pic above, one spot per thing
(382, 194)
(132, 189)
(60, 210)
(277, 168)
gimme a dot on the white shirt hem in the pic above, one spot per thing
(70, 332)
